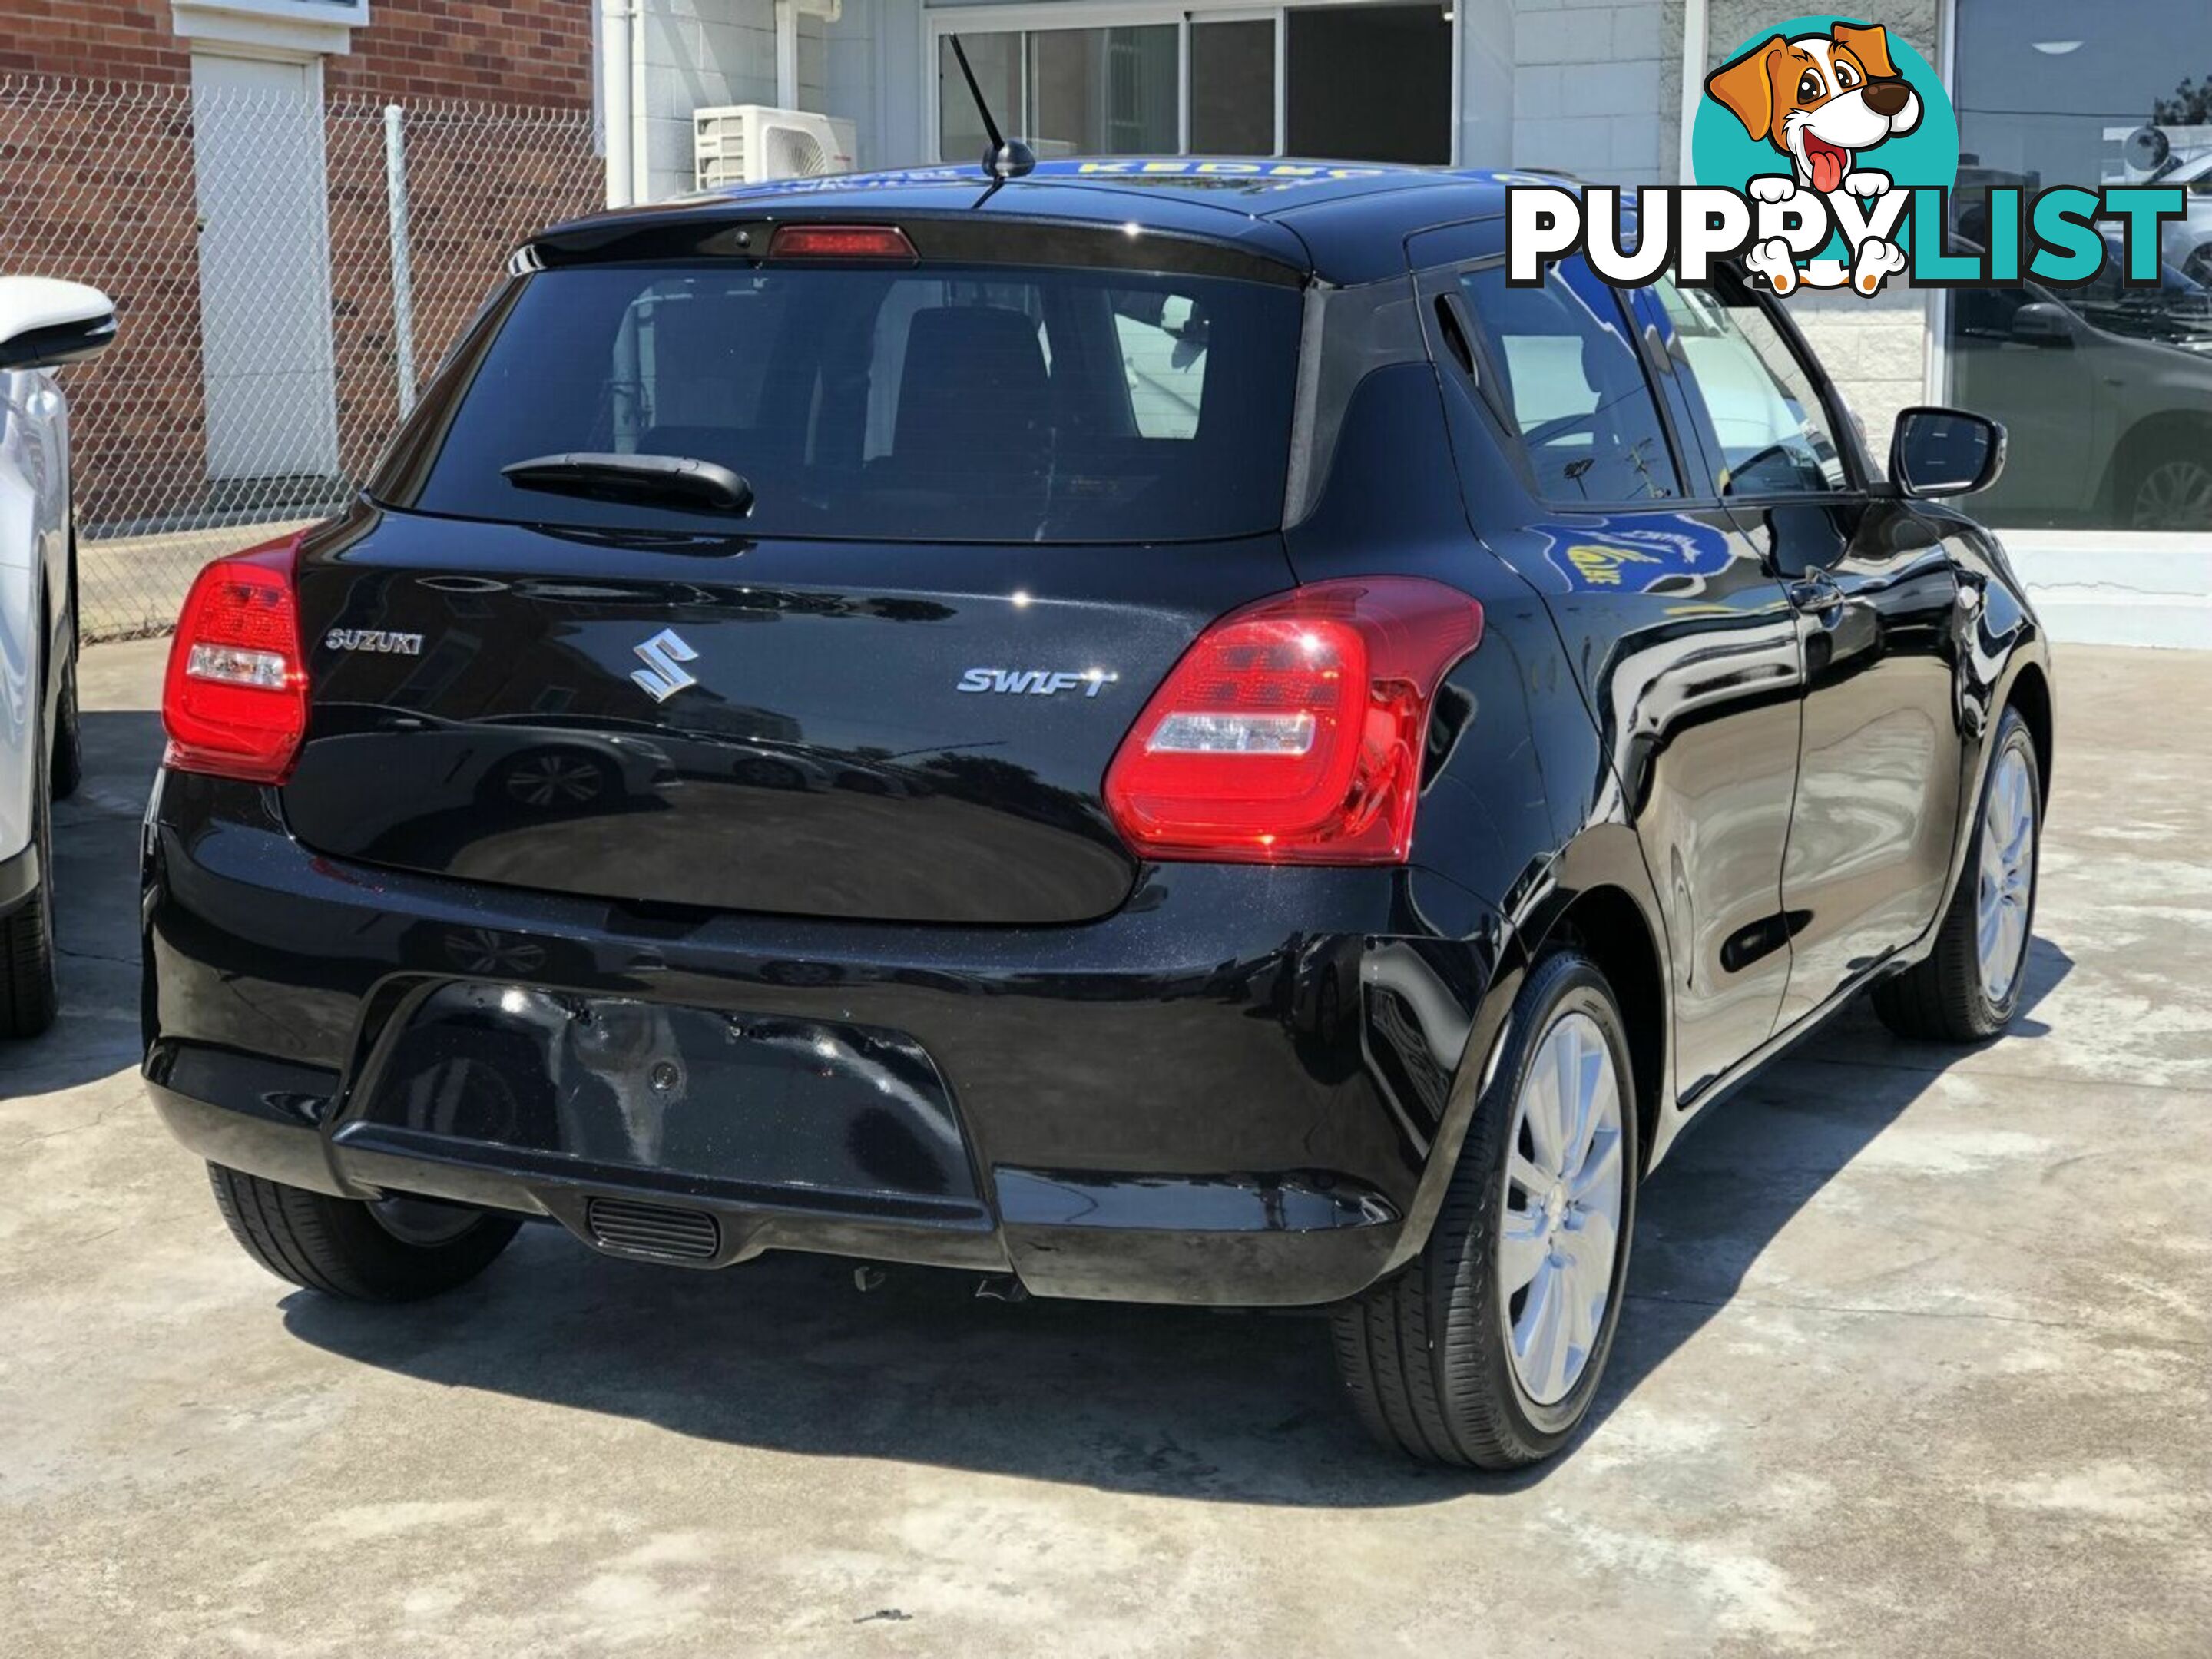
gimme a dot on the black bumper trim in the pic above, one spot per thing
(1250, 1241)
(471, 1159)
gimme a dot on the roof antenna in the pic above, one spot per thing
(1007, 158)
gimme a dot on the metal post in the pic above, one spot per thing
(787, 54)
(616, 94)
(403, 273)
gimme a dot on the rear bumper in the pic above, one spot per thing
(1243, 1088)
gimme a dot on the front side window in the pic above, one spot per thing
(977, 404)
(1575, 387)
(1769, 431)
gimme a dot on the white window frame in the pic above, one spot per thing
(970, 21)
(294, 31)
(354, 14)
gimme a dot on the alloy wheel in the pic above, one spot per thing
(2005, 882)
(1560, 1226)
(2174, 494)
(422, 1222)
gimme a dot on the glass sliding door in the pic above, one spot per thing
(1067, 92)
(997, 61)
(1355, 82)
(1232, 86)
(1369, 83)
(1103, 91)
(2106, 390)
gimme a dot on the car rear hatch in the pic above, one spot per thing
(992, 500)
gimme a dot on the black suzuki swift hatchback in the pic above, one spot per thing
(1163, 734)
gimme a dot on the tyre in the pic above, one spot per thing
(1969, 987)
(29, 992)
(1487, 1350)
(2170, 486)
(67, 767)
(400, 1250)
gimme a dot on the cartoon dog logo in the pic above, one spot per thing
(1823, 100)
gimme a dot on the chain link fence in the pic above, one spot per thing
(286, 271)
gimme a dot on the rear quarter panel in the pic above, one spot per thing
(30, 463)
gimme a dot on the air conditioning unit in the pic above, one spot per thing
(750, 144)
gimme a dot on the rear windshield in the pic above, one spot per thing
(916, 404)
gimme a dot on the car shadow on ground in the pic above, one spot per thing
(1751, 1164)
(785, 1353)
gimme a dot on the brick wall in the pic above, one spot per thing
(505, 51)
(103, 40)
(75, 204)
(98, 183)
(79, 203)
(502, 51)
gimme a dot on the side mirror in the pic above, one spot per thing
(2043, 323)
(1945, 452)
(44, 324)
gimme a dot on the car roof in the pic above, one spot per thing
(1343, 221)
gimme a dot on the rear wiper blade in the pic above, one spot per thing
(682, 480)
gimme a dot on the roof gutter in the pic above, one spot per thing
(786, 42)
(617, 106)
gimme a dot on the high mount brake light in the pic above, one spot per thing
(840, 242)
(234, 702)
(1291, 731)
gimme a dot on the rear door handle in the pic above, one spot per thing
(1816, 598)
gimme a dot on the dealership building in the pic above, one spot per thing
(296, 204)
(2107, 392)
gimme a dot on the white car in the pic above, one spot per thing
(43, 325)
(2186, 243)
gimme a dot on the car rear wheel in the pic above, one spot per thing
(2171, 486)
(30, 994)
(396, 1250)
(1488, 1350)
(1969, 987)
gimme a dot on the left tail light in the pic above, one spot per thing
(234, 703)
(1291, 732)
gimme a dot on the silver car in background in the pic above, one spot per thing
(43, 325)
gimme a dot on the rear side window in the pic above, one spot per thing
(917, 403)
(1574, 386)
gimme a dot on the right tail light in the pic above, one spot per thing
(1291, 731)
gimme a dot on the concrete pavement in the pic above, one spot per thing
(1918, 1359)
